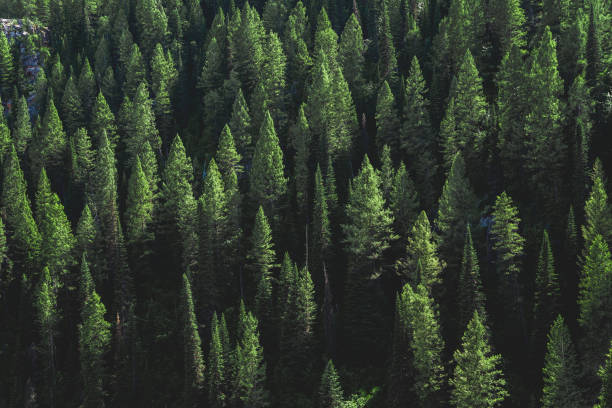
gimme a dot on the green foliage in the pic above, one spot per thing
(6, 66)
(261, 259)
(248, 386)
(387, 119)
(22, 232)
(471, 296)
(605, 375)
(330, 390)
(268, 184)
(22, 128)
(94, 342)
(477, 380)
(57, 241)
(403, 201)
(215, 370)
(595, 291)
(47, 317)
(597, 211)
(192, 346)
(457, 207)
(368, 228)
(469, 112)
(560, 369)
(139, 206)
(421, 264)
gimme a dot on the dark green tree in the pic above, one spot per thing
(72, 107)
(215, 370)
(192, 346)
(47, 318)
(330, 390)
(94, 342)
(597, 211)
(547, 293)
(22, 127)
(470, 295)
(403, 201)
(248, 386)
(387, 119)
(22, 233)
(416, 136)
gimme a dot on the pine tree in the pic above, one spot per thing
(22, 128)
(330, 390)
(297, 337)
(299, 60)
(57, 241)
(49, 146)
(477, 380)
(386, 171)
(544, 146)
(94, 341)
(87, 89)
(248, 386)
(22, 233)
(215, 370)
(547, 293)
(508, 21)
(211, 81)
(178, 209)
(240, 126)
(470, 293)
(403, 201)
(47, 318)
(192, 346)
(387, 61)
(560, 370)
(351, 50)
(213, 235)
(85, 233)
(139, 126)
(300, 140)
(321, 232)
(469, 110)
(416, 135)
(102, 119)
(227, 156)
(508, 248)
(261, 258)
(368, 230)
(82, 157)
(267, 180)
(422, 251)
(152, 23)
(139, 207)
(426, 345)
(597, 211)
(594, 298)
(273, 79)
(457, 207)
(72, 107)
(164, 76)
(387, 119)
(325, 41)
(605, 375)
(512, 109)
(134, 71)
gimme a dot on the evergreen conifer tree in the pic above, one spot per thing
(477, 380)
(560, 369)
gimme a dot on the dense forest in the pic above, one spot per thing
(305, 203)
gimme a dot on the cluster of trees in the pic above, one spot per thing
(218, 203)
